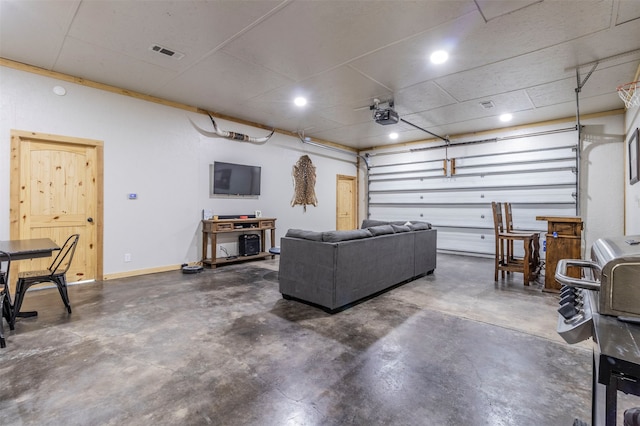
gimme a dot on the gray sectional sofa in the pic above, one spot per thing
(335, 269)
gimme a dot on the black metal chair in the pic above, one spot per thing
(5, 297)
(57, 274)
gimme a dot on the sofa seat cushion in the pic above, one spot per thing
(336, 236)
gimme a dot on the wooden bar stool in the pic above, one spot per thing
(535, 253)
(504, 259)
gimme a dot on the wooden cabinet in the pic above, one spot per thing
(211, 229)
(564, 241)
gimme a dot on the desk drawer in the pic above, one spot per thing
(225, 226)
(565, 228)
(267, 224)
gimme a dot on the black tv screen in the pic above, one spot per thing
(235, 179)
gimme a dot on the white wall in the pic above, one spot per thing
(632, 192)
(602, 179)
(152, 150)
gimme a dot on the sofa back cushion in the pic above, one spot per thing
(419, 226)
(400, 228)
(367, 223)
(306, 235)
(336, 236)
(381, 230)
(413, 225)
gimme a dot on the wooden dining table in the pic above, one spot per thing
(29, 248)
(26, 249)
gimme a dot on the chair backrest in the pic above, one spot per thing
(498, 224)
(62, 262)
(5, 266)
(508, 217)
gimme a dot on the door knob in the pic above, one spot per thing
(90, 219)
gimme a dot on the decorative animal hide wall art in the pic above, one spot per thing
(304, 180)
(217, 133)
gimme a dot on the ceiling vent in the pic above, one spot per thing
(487, 104)
(166, 51)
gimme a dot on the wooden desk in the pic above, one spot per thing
(564, 241)
(211, 229)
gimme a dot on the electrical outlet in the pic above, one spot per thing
(127, 257)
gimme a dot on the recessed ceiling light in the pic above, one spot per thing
(506, 117)
(393, 135)
(439, 57)
(300, 101)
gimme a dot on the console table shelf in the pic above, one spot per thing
(211, 229)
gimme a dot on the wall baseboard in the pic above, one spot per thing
(138, 272)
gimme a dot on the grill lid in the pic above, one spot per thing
(619, 249)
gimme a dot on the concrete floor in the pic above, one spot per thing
(222, 347)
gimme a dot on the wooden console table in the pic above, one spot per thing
(563, 242)
(211, 229)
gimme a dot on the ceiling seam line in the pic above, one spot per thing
(369, 77)
(66, 34)
(246, 29)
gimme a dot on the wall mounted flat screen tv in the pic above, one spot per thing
(234, 179)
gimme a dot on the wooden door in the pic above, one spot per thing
(346, 203)
(56, 191)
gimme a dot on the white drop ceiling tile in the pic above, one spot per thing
(539, 115)
(349, 114)
(620, 40)
(628, 10)
(354, 132)
(251, 114)
(303, 121)
(308, 37)
(493, 8)
(598, 103)
(407, 63)
(307, 124)
(552, 93)
(193, 28)
(384, 140)
(599, 82)
(508, 102)
(32, 32)
(422, 120)
(101, 65)
(421, 97)
(339, 86)
(525, 71)
(472, 43)
(215, 80)
(596, 85)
